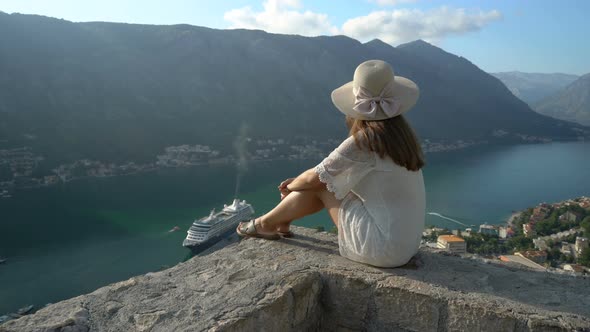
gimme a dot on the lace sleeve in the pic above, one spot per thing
(345, 167)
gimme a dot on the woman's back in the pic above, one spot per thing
(382, 212)
(395, 198)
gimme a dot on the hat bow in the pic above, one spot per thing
(366, 105)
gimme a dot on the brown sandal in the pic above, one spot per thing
(287, 234)
(248, 229)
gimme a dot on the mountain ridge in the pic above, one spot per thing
(532, 87)
(112, 91)
(570, 104)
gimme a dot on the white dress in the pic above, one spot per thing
(382, 208)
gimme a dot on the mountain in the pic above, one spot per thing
(571, 103)
(114, 92)
(532, 87)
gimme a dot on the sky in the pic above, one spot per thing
(497, 35)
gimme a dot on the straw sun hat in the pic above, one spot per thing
(375, 93)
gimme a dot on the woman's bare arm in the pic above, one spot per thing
(308, 180)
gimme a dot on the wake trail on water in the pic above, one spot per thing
(447, 218)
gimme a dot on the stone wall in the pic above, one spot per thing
(302, 284)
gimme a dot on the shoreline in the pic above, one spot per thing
(513, 216)
(229, 161)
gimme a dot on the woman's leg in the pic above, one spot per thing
(299, 204)
(331, 204)
(284, 227)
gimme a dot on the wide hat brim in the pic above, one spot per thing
(405, 91)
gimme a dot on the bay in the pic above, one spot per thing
(70, 239)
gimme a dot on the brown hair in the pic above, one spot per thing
(392, 137)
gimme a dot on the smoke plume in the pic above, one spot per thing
(240, 146)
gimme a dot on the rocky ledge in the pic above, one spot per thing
(302, 284)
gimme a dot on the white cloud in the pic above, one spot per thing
(281, 16)
(405, 25)
(391, 2)
(391, 26)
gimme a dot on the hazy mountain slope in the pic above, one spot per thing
(123, 92)
(571, 103)
(532, 87)
(474, 101)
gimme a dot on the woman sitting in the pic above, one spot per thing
(372, 184)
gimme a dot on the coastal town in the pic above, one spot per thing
(547, 237)
(22, 168)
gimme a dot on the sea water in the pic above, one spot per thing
(72, 238)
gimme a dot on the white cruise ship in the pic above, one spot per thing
(216, 224)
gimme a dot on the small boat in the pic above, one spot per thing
(25, 310)
(174, 229)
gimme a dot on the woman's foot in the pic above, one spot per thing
(284, 230)
(254, 228)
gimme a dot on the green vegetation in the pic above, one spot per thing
(519, 243)
(490, 244)
(553, 256)
(484, 244)
(585, 224)
(320, 228)
(585, 257)
(551, 225)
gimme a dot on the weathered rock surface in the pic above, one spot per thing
(302, 284)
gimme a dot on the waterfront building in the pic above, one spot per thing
(540, 244)
(429, 231)
(529, 229)
(537, 256)
(452, 243)
(467, 232)
(505, 232)
(566, 248)
(488, 229)
(581, 244)
(570, 216)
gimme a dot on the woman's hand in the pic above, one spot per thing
(283, 188)
(285, 183)
(284, 194)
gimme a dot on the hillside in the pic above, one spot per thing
(571, 103)
(532, 87)
(119, 92)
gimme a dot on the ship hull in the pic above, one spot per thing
(200, 247)
(207, 231)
